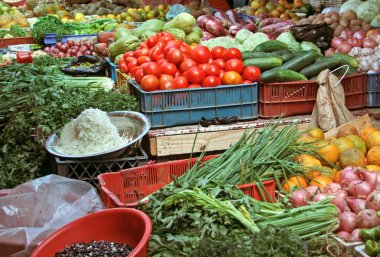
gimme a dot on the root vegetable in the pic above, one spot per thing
(332, 188)
(311, 191)
(367, 219)
(355, 236)
(347, 221)
(319, 197)
(298, 198)
(345, 48)
(360, 189)
(336, 42)
(369, 43)
(98, 48)
(344, 235)
(370, 177)
(341, 203)
(373, 200)
(347, 175)
(356, 205)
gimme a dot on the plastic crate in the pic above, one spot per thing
(89, 170)
(15, 41)
(113, 70)
(122, 82)
(52, 38)
(167, 108)
(298, 97)
(360, 251)
(125, 188)
(349, 247)
(373, 89)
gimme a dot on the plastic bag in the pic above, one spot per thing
(34, 210)
(98, 68)
(320, 34)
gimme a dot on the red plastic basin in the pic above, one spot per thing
(129, 226)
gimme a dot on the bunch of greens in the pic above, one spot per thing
(31, 98)
(15, 31)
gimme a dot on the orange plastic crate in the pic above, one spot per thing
(126, 187)
(296, 98)
(15, 41)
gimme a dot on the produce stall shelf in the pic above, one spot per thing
(4, 42)
(373, 89)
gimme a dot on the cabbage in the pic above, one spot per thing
(305, 45)
(226, 42)
(242, 36)
(376, 22)
(368, 10)
(350, 5)
(288, 38)
(254, 40)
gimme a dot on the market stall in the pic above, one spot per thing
(174, 128)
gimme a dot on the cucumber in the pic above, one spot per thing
(247, 55)
(300, 62)
(281, 52)
(281, 76)
(288, 57)
(264, 55)
(342, 71)
(271, 46)
(352, 61)
(317, 67)
(264, 63)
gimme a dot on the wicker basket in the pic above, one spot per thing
(325, 3)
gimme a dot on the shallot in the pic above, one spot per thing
(298, 198)
(332, 188)
(369, 43)
(360, 189)
(356, 205)
(355, 235)
(370, 177)
(347, 175)
(341, 204)
(319, 197)
(344, 235)
(311, 191)
(373, 200)
(347, 221)
(367, 219)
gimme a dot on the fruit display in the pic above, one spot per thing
(71, 48)
(38, 8)
(10, 16)
(196, 8)
(368, 11)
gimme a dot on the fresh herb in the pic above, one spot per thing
(15, 31)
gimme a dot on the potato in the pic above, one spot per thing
(349, 15)
(334, 25)
(335, 17)
(366, 27)
(328, 20)
(338, 30)
(356, 28)
(344, 22)
(333, 13)
(354, 23)
(320, 16)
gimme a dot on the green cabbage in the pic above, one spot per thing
(252, 41)
(305, 45)
(288, 38)
(243, 35)
(350, 5)
(219, 41)
(376, 21)
(367, 11)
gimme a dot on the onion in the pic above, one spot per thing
(88, 52)
(335, 43)
(83, 49)
(78, 44)
(330, 52)
(298, 198)
(360, 35)
(311, 191)
(357, 42)
(347, 175)
(355, 236)
(347, 221)
(332, 188)
(319, 197)
(79, 53)
(373, 200)
(344, 235)
(345, 48)
(61, 55)
(341, 193)
(367, 219)
(369, 43)
(341, 204)
(70, 43)
(370, 177)
(47, 49)
(64, 48)
(356, 205)
(360, 189)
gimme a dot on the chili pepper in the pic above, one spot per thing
(370, 234)
(372, 248)
(24, 57)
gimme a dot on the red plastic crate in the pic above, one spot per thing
(15, 41)
(126, 187)
(295, 98)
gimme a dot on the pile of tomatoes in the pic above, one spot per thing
(165, 63)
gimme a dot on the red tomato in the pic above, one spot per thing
(164, 39)
(185, 49)
(152, 69)
(162, 61)
(217, 52)
(169, 68)
(167, 85)
(211, 81)
(149, 83)
(123, 67)
(212, 70)
(220, 63)
(187, 64)
(167, 34)
(139, 74)
(246, 82)
(178, 73)
(152, 41)
(175, 56)
(134, 70)
(167, 50)
(232, 53)
(180, 82)
(165, 77)
(155, 52)
(203, 66)
(231, 78)
(132, 64)
(252, 73)
(160, 44)
(221, 73)
(161, 56)
(234, 65)
(129, 59)
(174, 43)
(143, 59)
(142, 52)
(121, 60)
(200, 54)
(195, 75)
(194, 86)
(143, 45)
(128, 54)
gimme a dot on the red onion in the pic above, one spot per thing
(64, 48)
(357, 43)
(370, 177)
(332, 188)
(345, 48)
(311, 191)
(330, 52)
(356, 205)
(360, 189)
(70, 43)
(373, 200)
(341, 193)
(47, 49)
(88, 52)
(346, 34)
(367, 219)
(355, 236)
(347, 175)
(344, 235)
(83, 49)
(369, 43)
(78, 44)
(319, 197)
(341, 204)
(298, 198)
(336, 42)
(347, 221)
(360, 35)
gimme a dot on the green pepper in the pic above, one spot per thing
(372, 248)
(370, 234)
(378, 214)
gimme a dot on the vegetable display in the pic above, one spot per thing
(70, 49)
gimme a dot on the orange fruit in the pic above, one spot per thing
(373, 139)
(311, 163)
(276, 13)
(328, 172)
(337, 176)
(364, 133)
(343, 143)
(329, 152)
(359, 143)
(352, 157)
(373, 167)
(347, 130)
(317, 133)
(373, 156)
(321, 181)
(294, 183)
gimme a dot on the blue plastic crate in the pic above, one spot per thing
(373, 89)
(113, 68)
(167, 108)
(52, 38)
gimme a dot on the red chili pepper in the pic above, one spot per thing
(24, 57)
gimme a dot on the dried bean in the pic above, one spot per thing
(95, 249)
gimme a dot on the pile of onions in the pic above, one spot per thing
(71, 48)
(356, 197)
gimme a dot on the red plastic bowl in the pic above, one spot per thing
(121, 225)
(16, 3)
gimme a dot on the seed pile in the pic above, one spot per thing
(95, 249)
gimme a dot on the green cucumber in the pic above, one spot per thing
(281, 76)
(300, 62)
(342, 71)
(271, 46)
(317, 67)
(264, 63)
(352, 61)
(264, 55)
(281, 52)
(288, 57)
(247, 55)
